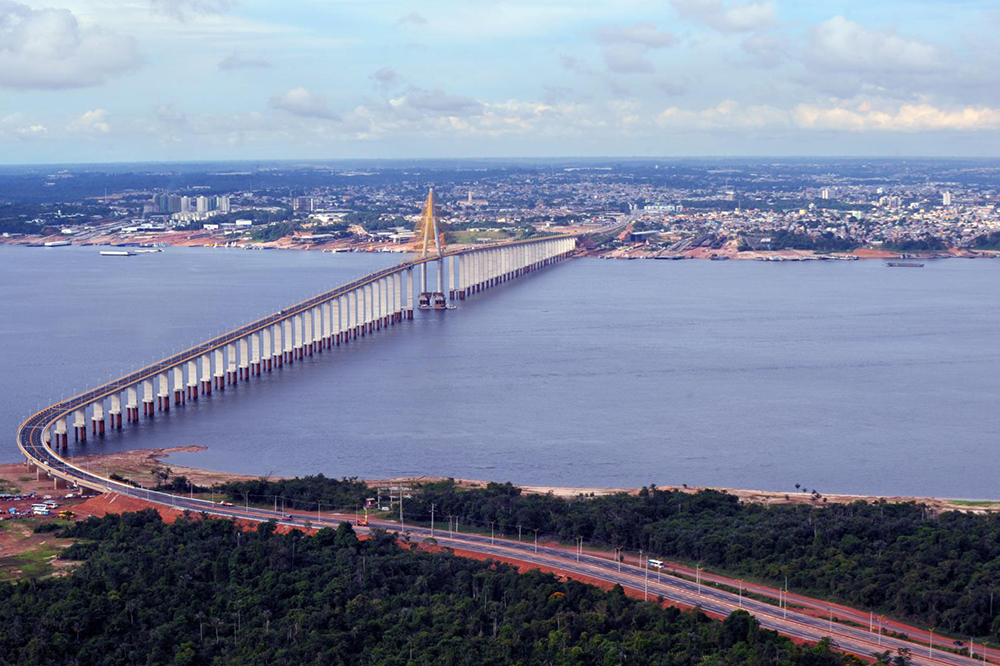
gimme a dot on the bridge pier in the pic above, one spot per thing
(219, 378)
(79, 426)
(147, 398)
(97, 420)
(116, 410)
(192, 380)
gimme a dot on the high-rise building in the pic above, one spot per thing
(946, 198)
(222, 203)
(824, 193)
(303, 203)
(202, 204)
(185, 204)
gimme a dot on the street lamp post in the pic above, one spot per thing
(930, 644)
(739, 582)
(492, 541)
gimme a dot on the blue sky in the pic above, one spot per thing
(117, 80)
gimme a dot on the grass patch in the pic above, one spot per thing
(974, 502)
(35, 563)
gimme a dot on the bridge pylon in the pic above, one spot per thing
(430, 243)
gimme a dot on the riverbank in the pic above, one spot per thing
(139, 464)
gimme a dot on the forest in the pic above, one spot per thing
(940, 570)
(204, 591)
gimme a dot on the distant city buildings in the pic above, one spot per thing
(172, 203)
(946, 198)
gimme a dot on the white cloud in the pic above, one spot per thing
(436, 103)
(625, 59)
(639, 34)
(765, 50)
(49, 49)
(843, 45)
(91, 123)
(385, 77)
(625, 47)
(235, 61)
(183, 10)
(735, 17)
(727, 115)
(906, 118)
(413, 18)
(303, 102)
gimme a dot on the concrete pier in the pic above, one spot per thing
(97, 420)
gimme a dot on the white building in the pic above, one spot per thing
(946, 198)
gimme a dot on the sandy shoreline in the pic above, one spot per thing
(138, 465)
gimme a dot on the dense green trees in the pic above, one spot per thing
(204, 592)
(941, 570)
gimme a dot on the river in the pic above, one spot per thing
(840, 376)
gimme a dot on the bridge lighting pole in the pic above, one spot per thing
(432, 519)
(739, 582)
(536, 539)
(618, 556)
(518, 532)
(698, 578)
(492, 522)
(645, 585)
(930, 644)
(318, 517)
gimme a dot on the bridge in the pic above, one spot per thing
(382, 299)
(336, 317)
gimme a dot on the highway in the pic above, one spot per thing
(789, 622)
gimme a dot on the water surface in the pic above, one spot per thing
(841, 376)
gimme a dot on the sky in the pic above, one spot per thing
(157, 80)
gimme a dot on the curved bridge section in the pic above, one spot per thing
(383, 298)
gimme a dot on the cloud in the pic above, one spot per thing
(14, 126)
(576, 65)
(385, 77)
(304, 103)
(624, 47)
(48, 49)
(183, 10)
(637, 34)
(235, 61)
(625, 59)
(765, 50)
(90, 123)
(906, 118)
(727, 115)
(843, 45)
(437, 102)
(735, 17)
(413, 18)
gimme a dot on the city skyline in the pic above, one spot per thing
(95, 81)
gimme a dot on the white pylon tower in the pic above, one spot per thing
(430, 243)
